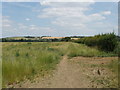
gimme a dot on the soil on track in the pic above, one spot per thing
(78, 72)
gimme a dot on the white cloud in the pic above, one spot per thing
(48, 2)
(6, 23)
(27, 19)
(12, 28)
(73, 17)
(60, 1)
(68, 23)
(67, 18)
(106, 12)
(22, 26)
(5, 19)
(96, 17)
(63, 12)
(71, 14)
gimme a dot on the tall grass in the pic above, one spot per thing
(0, 65)
(21, 60)
(85, 51)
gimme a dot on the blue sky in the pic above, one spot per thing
(58, 18)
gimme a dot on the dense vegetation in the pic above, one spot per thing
(85, 51)
(30, 40)
(23, 60)
(106, 42)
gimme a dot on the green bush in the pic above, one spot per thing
(106, 42)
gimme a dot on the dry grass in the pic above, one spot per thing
(23, 60)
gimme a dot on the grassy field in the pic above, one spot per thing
(0, 65)
(24, 60)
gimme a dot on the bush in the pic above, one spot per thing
(106, 42)
(66, 39)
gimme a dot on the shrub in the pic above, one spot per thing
(66, 39)
(106, 42)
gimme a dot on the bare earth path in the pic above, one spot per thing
(73, 73)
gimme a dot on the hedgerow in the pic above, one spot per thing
(105, 42)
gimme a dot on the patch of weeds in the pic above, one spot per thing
(113, 65)
(53, 50)
(17, 54)
(27, 54)
(29, 43)
(33, 71)
(100, 81)
(93, 79)
(50, 49)
(29, 48)
(93, 65)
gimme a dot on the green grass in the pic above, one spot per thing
(85, 51)
(23, 60)
(0, 65)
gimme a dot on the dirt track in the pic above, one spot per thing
(79, 72)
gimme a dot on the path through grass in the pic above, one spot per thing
(24, 60)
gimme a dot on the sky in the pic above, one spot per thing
(58, 19)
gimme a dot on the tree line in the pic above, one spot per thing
(34, 40)
(106, 42)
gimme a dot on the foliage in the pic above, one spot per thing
(66, 39)
(85, 51)
(106, 42)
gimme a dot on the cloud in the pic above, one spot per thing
(12, 28)
(6, 23)
(106, 12)
(72, 17)
(63, 12)
(27, 19)
(47, 1)
(71, 14)
(66, 18)
(96, 17)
